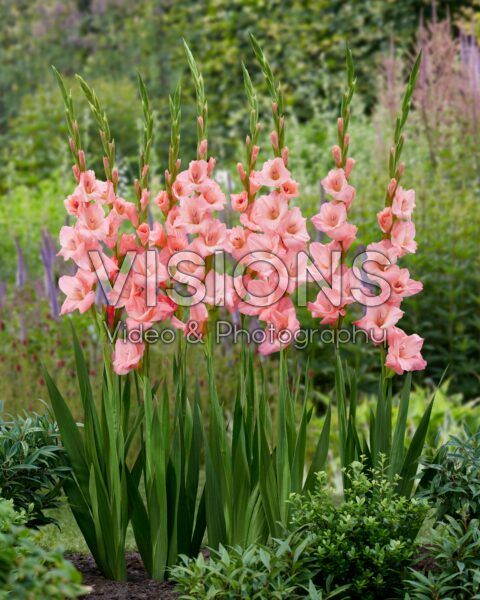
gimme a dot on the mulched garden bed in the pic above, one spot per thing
(138, 586)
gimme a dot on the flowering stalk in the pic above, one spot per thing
(74, 139)
(202, 109)
(141, 184)
(174, 148)
(108, 142)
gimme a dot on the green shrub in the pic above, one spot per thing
(367, 541)
(281, 571)
(32, 465)
(360, 548)
(28, 572)
(451, 482)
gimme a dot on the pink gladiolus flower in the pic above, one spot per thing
(327, 307)
(403, 237)
(212, 238)
(378, 320)
(274, 173)
(162, 201)
(127, 356)
(289, 189)
(330, 218)
(196, 174)
(126, 210)
(385, 219)
(92, 221)
(143, 233)
(182, 188)
(211, 195)
(192, 214)
(128, 242)
(336, 185)
(157, 236)
(404, 352)
(220, 291)
(401, 285)
(239, 202)
(144, 200)
(237, 236)
(326, 257)
(268, 211)
(293, 230)
(74, 203)
(346, 234)
(380, 256)
(79, 291)
(282, 326)
(403, 203)
(76, 245)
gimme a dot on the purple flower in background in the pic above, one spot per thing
(21, 277)
(48, 253)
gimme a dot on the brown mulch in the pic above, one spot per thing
(138, 586)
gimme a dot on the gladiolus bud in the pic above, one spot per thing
(200, 122)
(282, 122)
(346, 139)
(285, 156)
(137, 188)
(178, 163)
(75, 127)
(274, 139)
(144, 171)
(115, 175)
(340, 124)
(401, 169)
(168, 177)
(274, 108)
(106, 164)
(241, 171)
(72, 145)
(391, 187)
(202, 149)
(248, 140)
(211, 165)
(349, 164)
(76, 172)
(81, 159)
(255, 153)
(337, 154)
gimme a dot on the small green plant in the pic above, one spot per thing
(454, 553)
(451, 482)
(32, 465)
(26, 570)
(281, 570)
(366, 542)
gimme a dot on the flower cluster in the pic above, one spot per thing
(268, 243)
(395, 221)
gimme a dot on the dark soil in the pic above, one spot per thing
(138, 586)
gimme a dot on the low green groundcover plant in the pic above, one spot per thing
(27, 571)
(32, 465)
(360, 548)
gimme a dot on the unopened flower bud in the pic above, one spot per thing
(168, 177)
(76, 172)
(137, 187)
(391, 187)
(106, 164)
(241, 171)
(202, 148)
(401, 169)
(115, 175)
(282, 122)
(178, 163)
(340, 124)
(349, 164)
(248, 140)
(72, 145)
(255, 153)
(81, 159)
(144, 171)
(285, 155)
(200, 122)
(346, 139)
(274, 139)
(337, 154)
(274, 108)
(211, 165)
